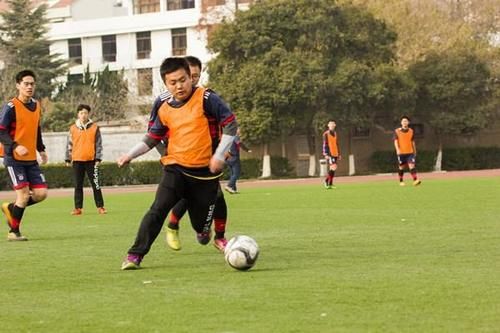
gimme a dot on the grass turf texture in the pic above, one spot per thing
(371, 257)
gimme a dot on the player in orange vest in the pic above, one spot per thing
(191, 168)
(406, 150)
(178, 211)
(21, 137)
(331, 152)
(84, 152)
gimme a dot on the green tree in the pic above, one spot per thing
(455, 94)
(112, 91)
(23, 41)
(279, 73)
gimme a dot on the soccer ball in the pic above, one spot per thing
(241, 252)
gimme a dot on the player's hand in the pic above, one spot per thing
(249, 150)
(21, 150)
(45, 157)
(215, 165)
(339, 157)
(123, 160)
(97, 163)
(68, 164)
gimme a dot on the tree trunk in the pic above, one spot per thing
(352, 167)
(266, 163)
(439, 157)
(312, 155)
(283, 145)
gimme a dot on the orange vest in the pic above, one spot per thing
(26, 129)
(405, 141)
(83, 143)
(189, 141)
(332, 144)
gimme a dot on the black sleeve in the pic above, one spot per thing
(39, 141)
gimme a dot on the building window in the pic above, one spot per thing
(215, 2)
(109, 48)
(143, 44)
(75, 50)
(75, 79)
(179, 42)
(179, 4)
(146, 6)
(145, 81)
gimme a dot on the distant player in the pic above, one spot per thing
(84, 153)
(191, 167)
(331, 152)
(406, 150)
(21, 137)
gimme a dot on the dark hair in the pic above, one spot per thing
(404, 117)
(22, 74)
(172, 64)
(193, 61)
(81, 107)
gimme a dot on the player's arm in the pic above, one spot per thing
(98, 145)
(69, 149)
(40, 147)
(6, 118)
(326, 148)
(339, 157)
(396, 143)
(155, 134)
(214, 106)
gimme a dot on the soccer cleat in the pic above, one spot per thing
(8, 215)
(15, 236)
(102, 210)
(332, 186)
(203, 237)
(173, 240)
(132, 262)
(327, 186)
(77, 211)
(230, 190)
(417, 182)
(220, 244)
(402, 184)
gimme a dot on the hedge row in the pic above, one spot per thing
(146, 172)
(453, 159)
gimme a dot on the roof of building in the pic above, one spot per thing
(57, 4)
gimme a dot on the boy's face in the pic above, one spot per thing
(83, 115)
(26, 87)
(195, 74)
(331, 125)
(179, 84)
(405, 122)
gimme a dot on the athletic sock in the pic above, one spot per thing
(17, 215)
(413, 173)
(400, 174)
(173, 222)
(219, 227)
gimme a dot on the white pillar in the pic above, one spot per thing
(266, 166)
(312, 165)
(352, 167)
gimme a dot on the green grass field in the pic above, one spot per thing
(369, 257)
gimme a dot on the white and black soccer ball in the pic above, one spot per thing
(241, 252)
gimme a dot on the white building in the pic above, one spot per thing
(131, 35)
